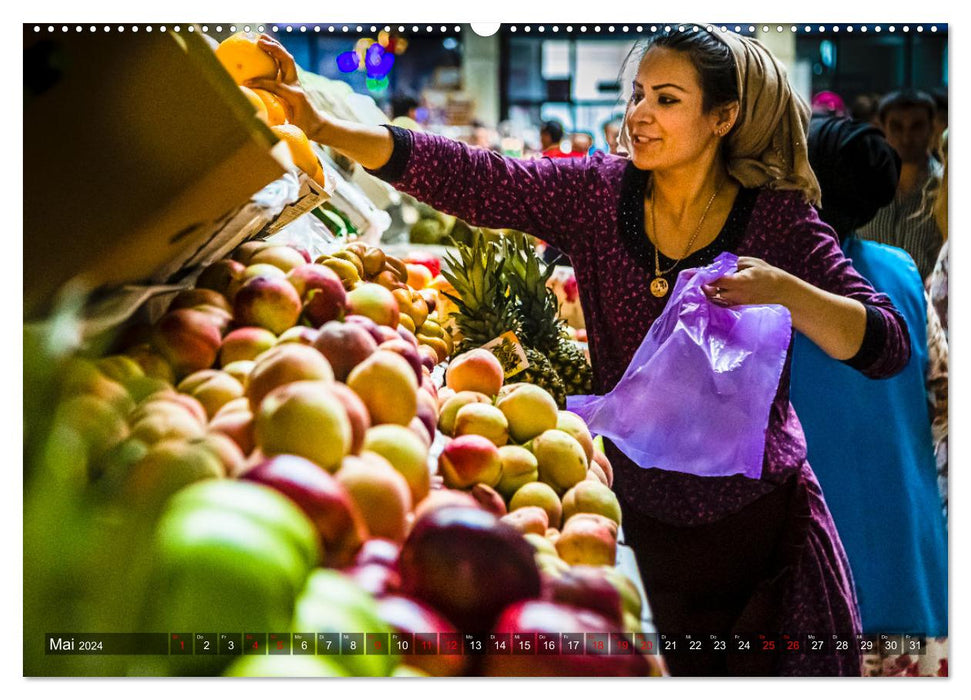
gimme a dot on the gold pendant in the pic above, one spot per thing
(659, 287)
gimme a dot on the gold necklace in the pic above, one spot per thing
(659, 285)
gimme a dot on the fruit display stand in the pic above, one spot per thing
(315, 447)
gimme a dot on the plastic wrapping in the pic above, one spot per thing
(697, 394)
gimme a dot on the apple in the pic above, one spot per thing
(345, 345)
(267, 302)
(322, 498)
(468, 565)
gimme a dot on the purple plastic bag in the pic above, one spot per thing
(696, 396)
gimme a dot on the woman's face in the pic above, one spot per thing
(665, 121)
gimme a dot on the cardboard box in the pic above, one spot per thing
(135, 146)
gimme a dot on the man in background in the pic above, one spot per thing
(907, 119)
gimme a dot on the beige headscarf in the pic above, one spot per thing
(767, 146)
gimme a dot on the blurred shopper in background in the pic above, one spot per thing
(581, 142)
(404, 112)
(872, 442)
(907, 118)
(550, 139)
(611, 131)
(828, 103)
(864, 108)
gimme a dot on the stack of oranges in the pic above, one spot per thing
(245, 60)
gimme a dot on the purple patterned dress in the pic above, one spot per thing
(593, 210)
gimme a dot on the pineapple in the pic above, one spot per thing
(526, 276)
(486, 311)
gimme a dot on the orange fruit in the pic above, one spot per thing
(244, 60)
(256, 102)
(301, 152)
(275, 111)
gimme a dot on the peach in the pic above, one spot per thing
(539, 541)
(453, 404)
(574, 425)
(562, 461)
(375, 302)
(536, 493)
(98, 423)
(322, 292)
(152, 362)
(302, 335)
(482, 419)
(380, 493)
(248, 273)
(169, 398)
(489, 499)
(529, 409)
(188, 340)
(226, 449)
(591, 497)
(595, 473)
(238, 426)
(120, 368)
(475, 370)
(405, 452)
(357, 414)
(601, 461)
(281, 256)
(245, 343)
(240, 370)
(167, 467)
(345, 345)
(420, 431)
(304, 418)
(283, 364)
(325, 501)
(419, 276)
(220, 318)
(519, 467)
(220, 275)
(407, 351)
(212, 388)
(529, 519)
(245, 251)
(470, 460)
(429, 358)
(444, 498)
(270, 303)
(200, 296)
(166, 422)
(586, 541)
(387, 385)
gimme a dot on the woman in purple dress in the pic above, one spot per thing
(717, 163)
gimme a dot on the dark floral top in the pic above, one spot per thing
(593, 210)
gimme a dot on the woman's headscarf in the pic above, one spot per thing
(767, 146)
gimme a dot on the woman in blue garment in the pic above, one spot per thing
(870, 441)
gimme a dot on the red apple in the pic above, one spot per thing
(345, 345)
(324, 500)
(468, 565)
(266, 302)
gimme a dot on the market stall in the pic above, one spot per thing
(266, 430)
